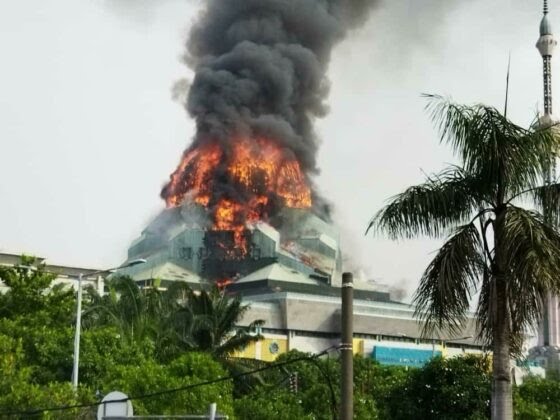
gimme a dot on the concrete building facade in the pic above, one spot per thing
(383, 330)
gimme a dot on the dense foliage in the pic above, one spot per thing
(443, 389)
(124, 352)
(538, 399)
(136, 341)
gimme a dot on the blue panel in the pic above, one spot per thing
(403, 356)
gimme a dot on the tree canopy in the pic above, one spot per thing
(35, 370)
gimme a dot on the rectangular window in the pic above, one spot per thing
(186, 253)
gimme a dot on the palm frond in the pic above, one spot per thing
(444, 200)
(242, 338)
(491, 146)
(528, 157)
(533, 250)
(547, 200)
(446, 287)
(238, 367)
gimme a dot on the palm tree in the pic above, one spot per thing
(207, 321)
(510, 254)
(212, 318)
(142, 316)
(173, 321)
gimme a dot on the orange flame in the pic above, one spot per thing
(261, 171)
(223, 283)
(194, 175)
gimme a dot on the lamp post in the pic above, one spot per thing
(77, 334)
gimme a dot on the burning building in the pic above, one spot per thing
(241, 207)
(181, 244)
(242, 198)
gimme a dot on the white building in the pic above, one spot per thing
(67, 275)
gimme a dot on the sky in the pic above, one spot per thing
(89, 130)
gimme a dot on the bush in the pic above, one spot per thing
(455, 388)
(189, 369)
(538, 398)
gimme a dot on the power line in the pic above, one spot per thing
(167, 391)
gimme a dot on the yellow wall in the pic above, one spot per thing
(358, 346)
(249, 352)
(263, 347)
(266, 355)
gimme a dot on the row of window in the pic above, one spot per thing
(188, 253)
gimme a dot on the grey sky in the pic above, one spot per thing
(89, 131)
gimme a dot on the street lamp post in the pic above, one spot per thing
(77, 334)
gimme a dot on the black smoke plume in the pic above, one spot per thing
(260, 70)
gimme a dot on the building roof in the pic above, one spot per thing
(11, 259)
(291, 311)
(278, 272)
(167, 270)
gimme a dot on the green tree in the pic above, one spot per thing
(41, 315)
(102, 349)
(280, 405)
(171, 322)
(138, 314)
(318, 390)
(148, 319)
(510, 254)
(385, 385)
(18, 393)
(27, 296)
(152, 377)
(208, 322)
(446, 389)
(538, 398)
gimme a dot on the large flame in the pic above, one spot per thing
(240, 186)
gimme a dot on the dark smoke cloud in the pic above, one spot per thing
(260, 68)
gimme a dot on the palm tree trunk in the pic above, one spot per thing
(502, 406)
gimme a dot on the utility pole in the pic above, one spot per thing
(346, 348)
(76, 358)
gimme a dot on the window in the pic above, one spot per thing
(256, 253)
(186, 253)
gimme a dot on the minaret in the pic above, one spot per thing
(546, 45)
(549, 334)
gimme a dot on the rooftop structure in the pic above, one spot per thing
(178, 245)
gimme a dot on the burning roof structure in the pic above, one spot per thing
(182, 245)
(241, 198)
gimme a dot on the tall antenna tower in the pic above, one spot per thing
(550, 334)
